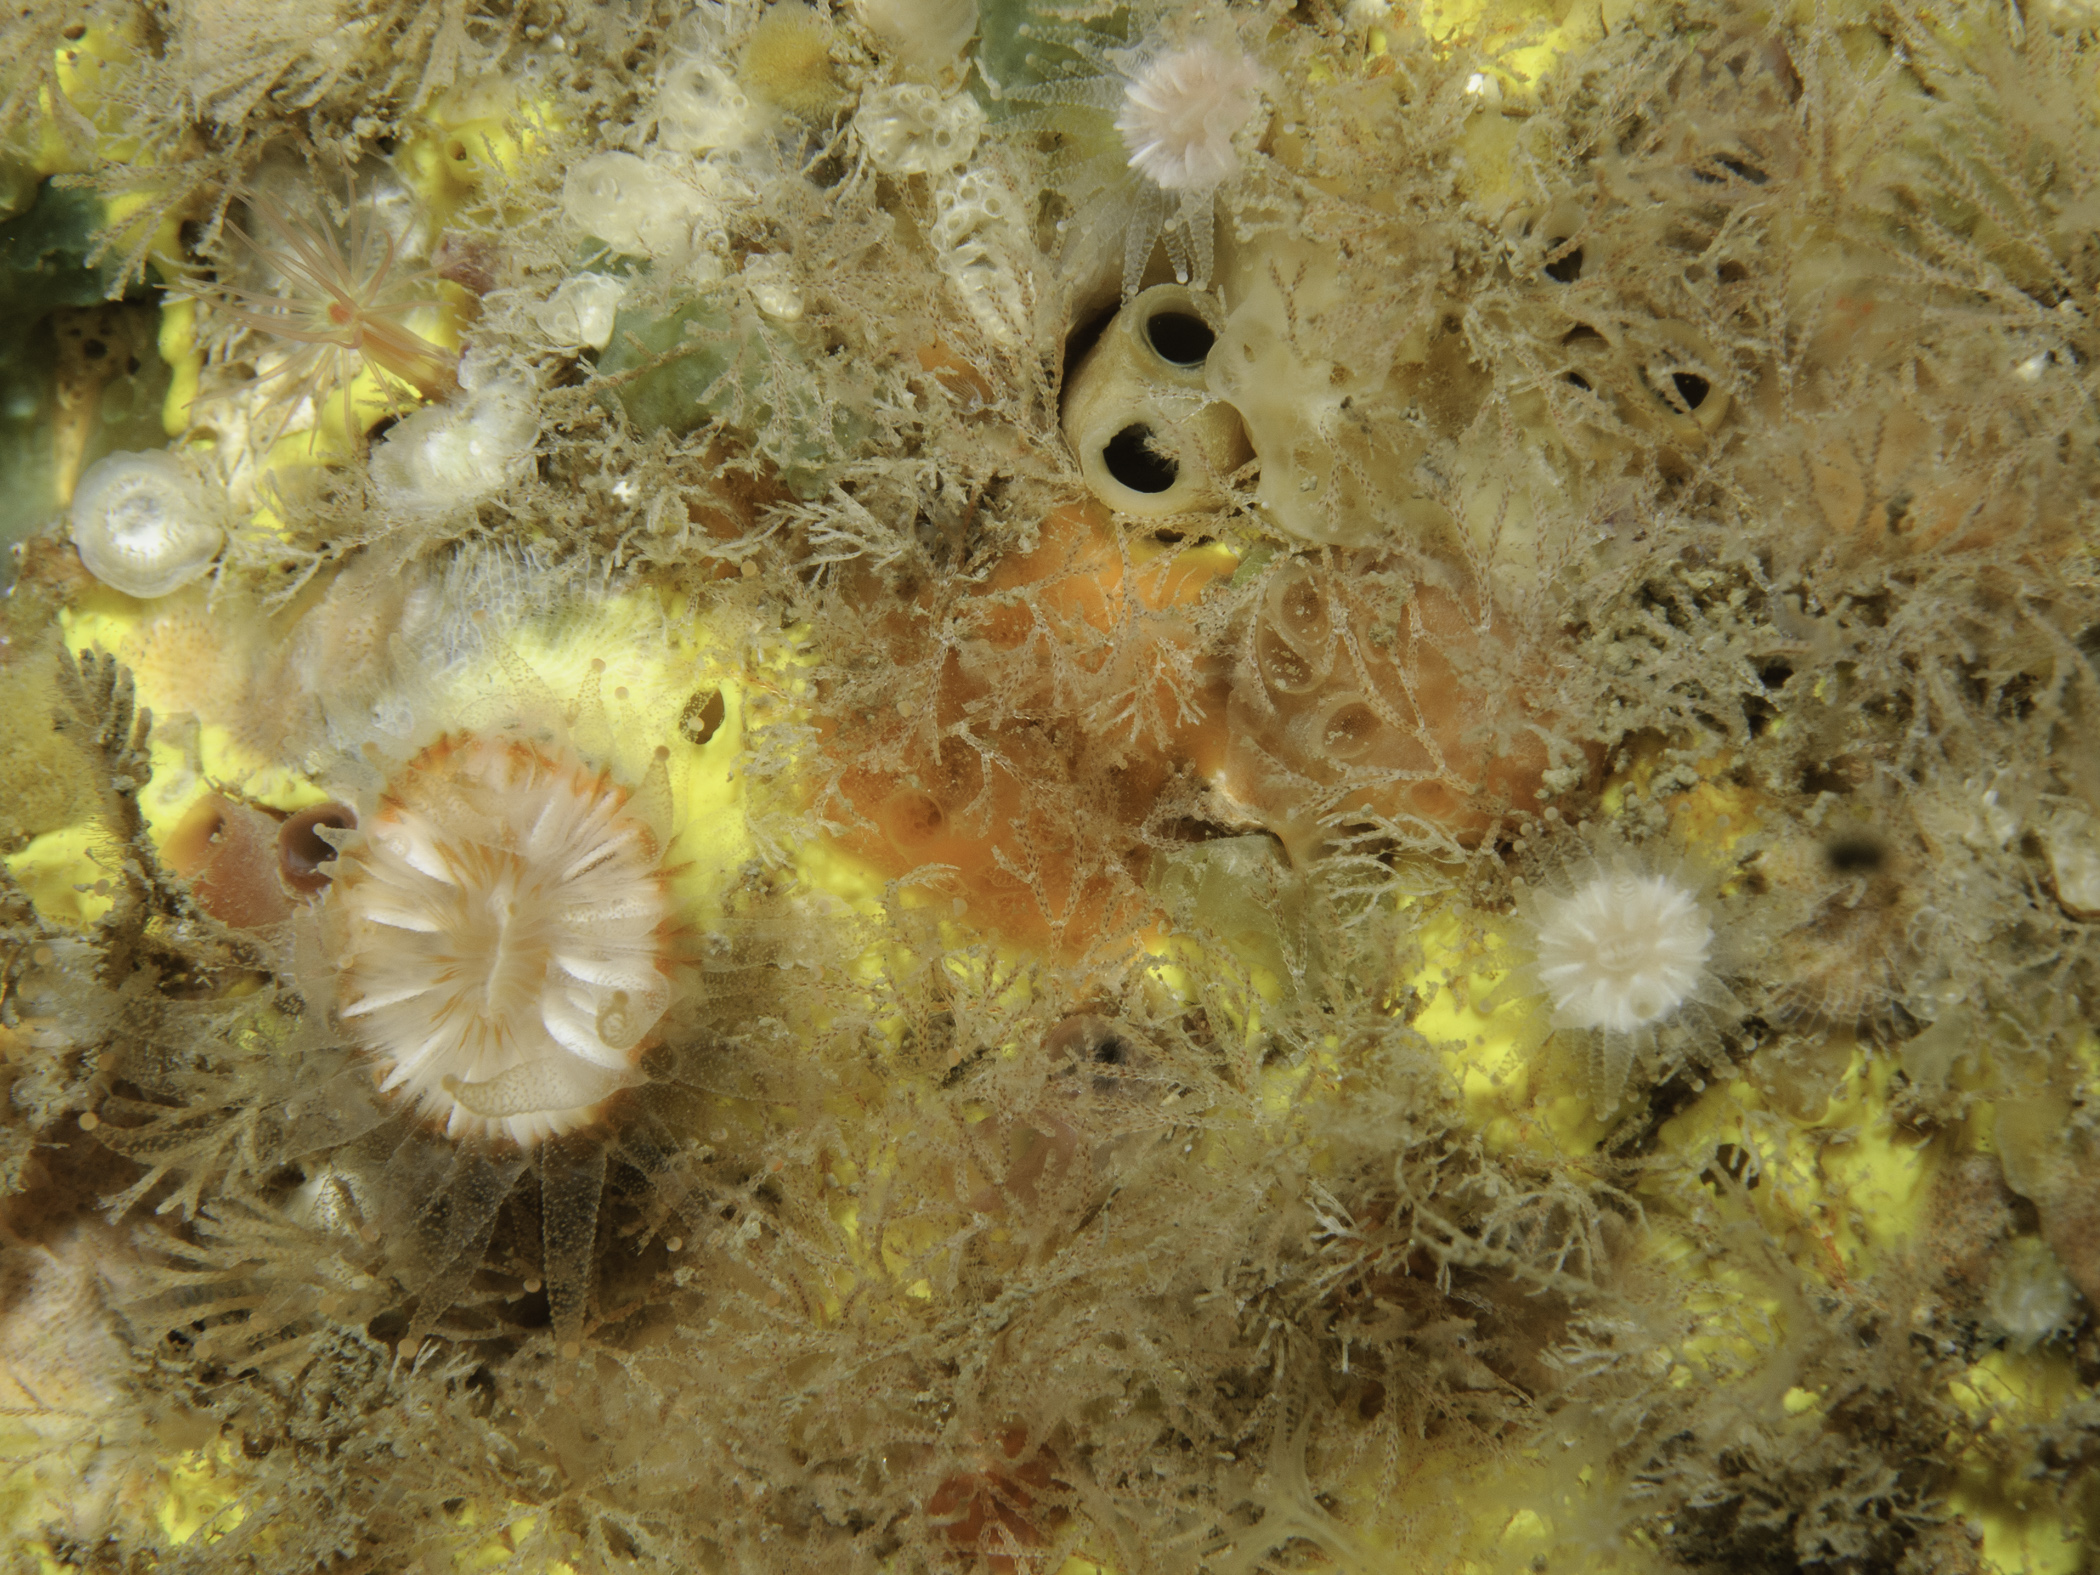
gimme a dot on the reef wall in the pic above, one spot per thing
(907, 786)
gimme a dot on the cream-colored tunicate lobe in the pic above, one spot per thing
(454, 455)
(144, 524)
(638, 207)
(924, 35)
(910, 129)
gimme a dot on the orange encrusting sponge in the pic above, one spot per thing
(1025, 759)
(1359, 696)
(1017, 742)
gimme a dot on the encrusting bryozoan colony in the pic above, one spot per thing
(1018, 785)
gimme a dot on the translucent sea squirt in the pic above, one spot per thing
(143, 524)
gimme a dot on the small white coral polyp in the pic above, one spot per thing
(1622, 952)
(1180, 112)
(503, 928)
(1175, 110)
(1631, 960)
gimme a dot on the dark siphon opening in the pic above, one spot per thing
(1132, 460)
(1180, 337)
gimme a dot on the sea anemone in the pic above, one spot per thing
(341, 305)
(1621, 952)
(1180, 112)
(1626, 956)
(503, 937)
(1176, 110)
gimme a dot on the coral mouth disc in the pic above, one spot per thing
(503, 927)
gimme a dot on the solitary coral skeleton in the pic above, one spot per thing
(503, 924)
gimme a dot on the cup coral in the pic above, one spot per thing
(1176, 110)
(1623, 953)
(504, 926)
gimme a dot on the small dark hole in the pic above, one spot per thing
(1579, 332)
(1132, 460)
(301, 850)
(1111, 1052)
(1734, 1162)
(1691, 388)
(74, 32)
(1180, 337)
(1565, 270)
(1577, 379)
(1773, 674)
(702, 715)
(1826, 778)
(1741, 169)
(1854, 856)
(94, 349)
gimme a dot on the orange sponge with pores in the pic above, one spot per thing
(1024, 727)
(1360, 697)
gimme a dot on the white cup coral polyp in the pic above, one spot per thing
(1627, 957)
(503, 930)
(1622, 951)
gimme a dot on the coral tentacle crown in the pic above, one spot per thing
(1179, 114)
(1623, 951)
(502, 934)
